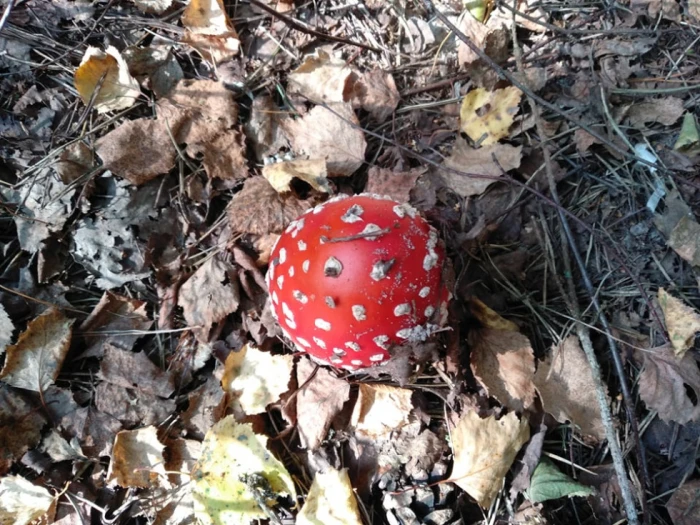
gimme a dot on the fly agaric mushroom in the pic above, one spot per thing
(355, 275)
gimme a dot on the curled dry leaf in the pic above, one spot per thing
(209, 30)
(478, 168)
(504, 363)
(381, 409)
(485, 116)
(313, 172)
(565, 383)
(20, 426)
(6, 329)
(333, 134)
(22, 502)
(105, 76)
(331, 501)
(137, 459)
(260, 210)
(323, 79)
(35, 361)
(395, 184)
(256, 378)
(492, 38)
(484, 450)
(682, 322)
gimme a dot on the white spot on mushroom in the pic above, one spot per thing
(348, 368)
(291, 271)
(429, 261)
(275, 299)
(323, 325)
(303, 342)
(332, 267)
(340, 352)
(336, 360)
(369, 229)
(353, 214)
(380, 269)
(353, 346)
(376, 357)
(359, 312)
(318, 209)
(290, 323)
(429, 311)
(300, 296)
(287, 311)
(305, 266)
(283, 255)
(416, 333)
(320, 342)
(270, 273)
(402, 309)
(292, 225)
(382, 341)
(298, 225)
(356, 362)
(424, 292)
(280, 281)
(398, 210)
(302, 246)
(330, 302)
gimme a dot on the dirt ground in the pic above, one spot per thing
(152, 152)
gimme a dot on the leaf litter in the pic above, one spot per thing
(140, 206)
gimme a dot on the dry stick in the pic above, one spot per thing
(584, 334)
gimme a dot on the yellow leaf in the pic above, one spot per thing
(484, 450)
(489, 318)
(280, 174)
(137, 459)
(381, 409)
(682, 322)
(486, 116)
(232, 454)
(331, 501)
(106, 70)
(209, 30)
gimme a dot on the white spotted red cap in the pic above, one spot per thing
(360, 274)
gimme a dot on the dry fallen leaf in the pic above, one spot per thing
(128, 369)
(332, 134)
(484, 450)
(504, 363)
(210, 31)
(137, 459)
(280, 174)
(565, 384)
(685, 240)
(665, 111)
(669, 384)
(485, 116)
(153, 6)
(318, 402)
(107, 73)
(22, 502)
(322, 79)
(381, 409)
(94, 429)
(492, 161)
(256, 378)
(489, 318)
(376, 93)
(684, 504)
(492, 38)
(331, 501)
(206, 405)
(20, 426)
(36, 359)
(6, 329)
(395, 184)
(682, 322)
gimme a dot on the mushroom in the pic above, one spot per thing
(354, 276)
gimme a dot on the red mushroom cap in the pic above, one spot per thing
(355, 275)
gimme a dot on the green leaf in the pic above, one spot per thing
(689, 135)
(548, 482)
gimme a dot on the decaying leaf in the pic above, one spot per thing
(395, 184)
(565, 383)
(688, 140)
(22, 502)
(210, 31)
(207, 405)
(484, 450)
(280, 174)
(680, 228)
(6, 329)
(20, 426)
(548, 482)
(667, 382)
(95, 430)
(333, 134)
(36, 359)
(135, 370)
(485, 116)
(684, 505)
(492, 38)
(489, 318)
(106, 73)
(381, 409)
(209, 295)
(234, 473)
(478, 168)
(319, 401)
(682, 322)
(331, 501)
(259, 209)
(665, 111)
(256, 378)
(137, 459)
(323, 78)
(504, 363)
(377, 94)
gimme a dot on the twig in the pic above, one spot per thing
(6, 14)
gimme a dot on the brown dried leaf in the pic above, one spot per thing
(318, 402)
(682, 322)
(132, 406)
(381, 410)
(137, 459)
(135, 370)
(75, 161)
(331, 500)
(280, 174)
(20, 426)
(484, 450)
(6, 329)
(322, 79)
(684, 505)
(210, 31)
(491, 161)
(377, 94)
(685, 240)
(504, 363)
(665, 111)
(260, 210)
(95, 430)
(207, 405)
(107, 72)
(489, 318)
(209, 295)
(35, 361)
(395, 184)
(492, 38)
(626, 48)
(663, 383)
(565, 384)
(118, 317)
(333, 134)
